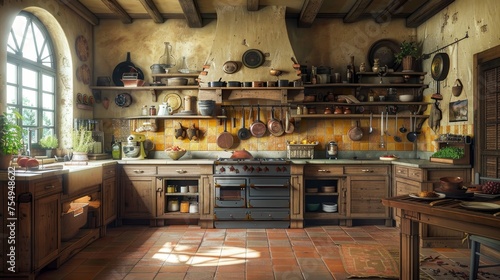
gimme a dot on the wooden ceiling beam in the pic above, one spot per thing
(192, 13)
(392, 8)
(252, 5)
(152, 10)
(117, 9)
(425, 12)
(356, 10)
(309, 12)
(82, 11)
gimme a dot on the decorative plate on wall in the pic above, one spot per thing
(440, 66)
(384, 50)
(173, 100)
(82, 48)
(253, 58)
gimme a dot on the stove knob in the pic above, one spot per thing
(222, 170)
(259, 169)
(251, 169)
(283, 169)
(266, 169)
(231, 168)
(245, 168)
(278, 169)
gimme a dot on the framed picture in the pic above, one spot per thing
(459, 111)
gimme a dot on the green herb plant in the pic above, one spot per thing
(82, 141)
(412, 49)
(450, 152)
(11, 134)
(49, 142)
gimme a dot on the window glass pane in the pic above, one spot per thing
(30, 78)
(17, 33)
(29, 48)
(48, 118)
(48, 101)
(29, 117)
(12, 95)
(29, 98)
(11, 73)
(47, 57)
(47, 83)
(47, 132)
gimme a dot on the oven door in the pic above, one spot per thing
(269, 192)
(230, 192)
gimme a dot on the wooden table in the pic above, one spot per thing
(448, 214)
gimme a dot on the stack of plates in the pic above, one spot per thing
(329, 189)
(329, 207)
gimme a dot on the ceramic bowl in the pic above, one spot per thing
(175, 155)
(311, 207)
(406, 97)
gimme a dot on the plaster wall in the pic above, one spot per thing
(480, 20)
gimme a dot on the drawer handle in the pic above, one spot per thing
(49, 187)
(138, 171)
(324, 170)
(366, 170)
(180, 171)
(399, 171)
(414, 174)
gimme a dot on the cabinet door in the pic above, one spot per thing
(364, 195)
(46, 219)
(109, 197)
(138, 197)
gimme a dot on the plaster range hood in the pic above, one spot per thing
(239, 30)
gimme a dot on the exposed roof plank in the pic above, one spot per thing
(253, 5)
(308, 13)
(152, 10)
(116, 8)
(191, 12)
(82, 11)
(356, 10)
(426, 12)
(391, 9)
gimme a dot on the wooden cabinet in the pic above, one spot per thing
(366, 185)
(109, 195)
(30, 216)
(413, 180)
(180, 184)
(137, 192)
(315, 178)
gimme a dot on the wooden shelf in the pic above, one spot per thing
(322, 194)
(322, 215)
(176, 117)
(152, 89)
(279, 94)
(350, 116)
(178, 74)
(355, 85)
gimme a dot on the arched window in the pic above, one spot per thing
(31, 76)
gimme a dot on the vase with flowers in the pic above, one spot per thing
(410, 52)
(82, 143)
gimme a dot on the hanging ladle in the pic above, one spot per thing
(403, 129)
(370, 130)
(396, 137)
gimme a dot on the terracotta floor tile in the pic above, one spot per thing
(189, 252)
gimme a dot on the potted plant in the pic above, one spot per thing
(49, 142)
(11, 137)
(410, 50)
(82, 144)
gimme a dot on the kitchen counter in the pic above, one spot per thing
(168, 161)
(418, 163)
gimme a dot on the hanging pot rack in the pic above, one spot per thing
(428, 55)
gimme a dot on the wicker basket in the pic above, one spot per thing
(300, 150)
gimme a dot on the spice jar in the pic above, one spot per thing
(185, 206)
(144, 110)
(152, 111)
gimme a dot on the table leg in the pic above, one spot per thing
(409, 254)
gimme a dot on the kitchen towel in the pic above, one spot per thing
(368, 261)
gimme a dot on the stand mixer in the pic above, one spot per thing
(134, 147)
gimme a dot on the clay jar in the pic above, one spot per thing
(338, 110)
(376, 64)
(347, 110)
(327, 111)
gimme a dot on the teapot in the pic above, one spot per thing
(165, 109)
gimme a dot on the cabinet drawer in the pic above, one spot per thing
(108, 171)
(366, 169)
(409, 172)
(139, 170)
(48, 186)
(182, 170)
(323, 170)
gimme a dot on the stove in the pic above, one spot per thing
(252, 193)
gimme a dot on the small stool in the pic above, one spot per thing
(475, 249)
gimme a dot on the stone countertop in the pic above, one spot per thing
(418, 163)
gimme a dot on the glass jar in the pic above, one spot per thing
(144, 110)
(152, 111)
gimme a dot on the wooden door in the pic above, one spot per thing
(487, 113)
(138, 198)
